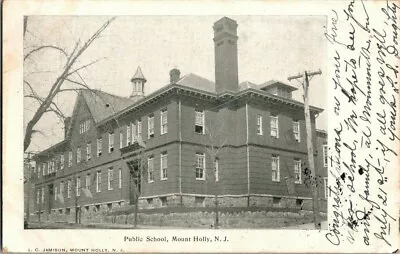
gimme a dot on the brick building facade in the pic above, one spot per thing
(182, 144)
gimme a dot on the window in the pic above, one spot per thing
(88, 151)
(121, 140)
(69, 188)
(275, 168)
(217, 170)
(297, 171)
(38, 196)
(55, 192)
(296, 130)
(164, 166)
(200, 166)
(133, 130)
(128, 135)
(61, 188)
(98, 181)
(62, 161)
(99, 146)
(326, 187)
(84, 126)
(110, 142)
(110, 178)
(120, 178)
(163, 201)
(87, 181)
(150, 169)
(274, 126)
(78, 186)
(199, 122)
(38, 171)
(44, 169)
(48, 167)
(139, 129)
(42, 194)
(150, 126)
(69, 158)
(259, 125)
(325, 155)
(164, 121)
(78, 155)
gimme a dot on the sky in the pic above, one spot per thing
(269, 47)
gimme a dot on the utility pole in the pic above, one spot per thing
(314, 188)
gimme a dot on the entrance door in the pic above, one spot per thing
(135, 182)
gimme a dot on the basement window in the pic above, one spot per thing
(299, 202)
(150, 201)
(67, 211)
(276, 200)
(87, 208)
(97, 208)
(199, 201)
(163, 201)
(109, 206)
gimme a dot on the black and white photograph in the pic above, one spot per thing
(200, 126)
(175, 122)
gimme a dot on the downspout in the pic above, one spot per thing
(180, 150)
(247, 155)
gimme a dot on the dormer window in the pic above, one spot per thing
(84, 126)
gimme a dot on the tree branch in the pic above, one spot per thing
(45, 47)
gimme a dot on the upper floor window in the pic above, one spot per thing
(62, 161)
(150, 126)
(164, 121)
(78, 155)
(297, 171)
(274, 126)
(139, 128)
(99, 146)
(134, 133)
(275, 168)
(326, 187)
(150, 169)
(121, 140)
(38, 196)
(98, 181)
(216, 170)
(164, 166)
(296, 130)
(61, 188)
(110, 142)
(200, 166)
(88, 151)
(325, 155)
(128, 135)
(120, 178)
(69, 188)
(110, 178)
(87, 181)
(259, 125)
(55, 192)
(69, 158)
(42, 194)
(38, 171)
(199, 122)
(78, 186)
(84, 126)
(44, 169)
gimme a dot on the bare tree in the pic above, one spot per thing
(69, 71)
(213, 147)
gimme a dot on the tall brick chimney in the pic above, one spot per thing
(226, 55)
(67, 121)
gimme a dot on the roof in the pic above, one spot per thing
(48, 150)
(322, 133)
(138, 74)
(103, 105)
(247, 84)
(197, 82)
(273, 83)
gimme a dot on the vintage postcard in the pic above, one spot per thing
(166, 126)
